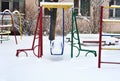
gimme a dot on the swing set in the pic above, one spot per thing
(64, 6)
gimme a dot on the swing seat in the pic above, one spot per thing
(56, 48)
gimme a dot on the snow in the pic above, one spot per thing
(95, 37)
(55, 68)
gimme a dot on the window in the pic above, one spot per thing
(85, 7)
(15, 4)
(5, 5)
(82, 7)
(76, 6)
(115, 12)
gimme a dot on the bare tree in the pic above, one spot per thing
(93, 21)
(29, 21)
(94, 24)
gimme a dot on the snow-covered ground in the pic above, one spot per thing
(55, 68)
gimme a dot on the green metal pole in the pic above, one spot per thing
(72, 35)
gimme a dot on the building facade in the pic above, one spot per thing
(12, 5)
(83, 9)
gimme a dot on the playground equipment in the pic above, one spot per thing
(106, 41)
(92, 42)
(48, 5)
(77, 38)
(5, 29)
(51, 40)
(64, 6)
(38, 30)
(112, 35)
(100, 35)
(111, 48)
(20, 21)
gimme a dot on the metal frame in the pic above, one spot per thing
(74, 31)
(51, 42)
(39, 27)
(39, 38)
(20, 21)
(100, 37)
(8, 12)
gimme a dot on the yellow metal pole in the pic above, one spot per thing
(20, 21)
